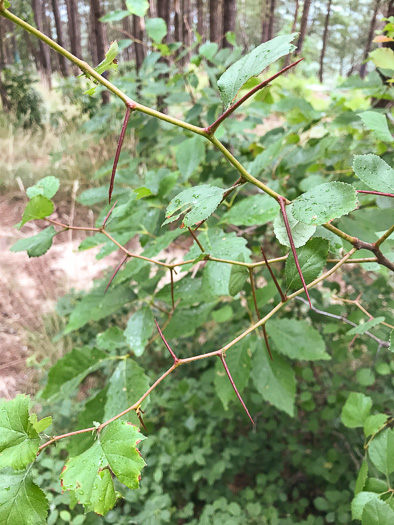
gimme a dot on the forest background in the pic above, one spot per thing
(322, 447)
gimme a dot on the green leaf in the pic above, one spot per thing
(36, 245)
(97, 305)
(19, 441)
(274, 380)
(361, 478)
(186, 321)
(139, 329)
(156, 29)
(115, 16)
(190, 154)
(312, 258)
(356, 410)
(238, 362)
(47, 187)
(300, 231)
(374, 172)
(38, 208)
(238, 277)
(252, 65)
(126, 385)
(109, 60)
(383, 57)
(70, 370)
(112, 339)
(41, 425)
(7, 4)
(89, 474)
(373, 423)
(297, 339)
(327, 201)
(377, 512)
(381, 452)
(137, 7)
(196, 203)
(258, 209)
(360, 501)
(22, 502)
(208, 50)
(376, 122)
(365, 327)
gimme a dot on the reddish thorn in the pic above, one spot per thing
(142, 423)
(282, 295)
(235, 388)
(266, 342)
(116, 271)
(109, 213)
(289, 235)
(172, 288)
(165, 342)
(118, 150)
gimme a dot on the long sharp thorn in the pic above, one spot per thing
(116, 271)
(109, 213)
(141, 420)
(257, 311)
(235, 388)
(289, 235)
(165, 342)
(266, 342)
(118, 150)
(282, 295)
(172, 288)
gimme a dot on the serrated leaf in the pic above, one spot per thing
(137, 7)
(377, 512)
(186, 321)
(238, 362)
(312, 258)
(374, 172)
(327, 201)
(22, 502)
(297, 339)
(252, 65)
(139, 329)
(258, 209)
(361, 478)
(364, 327)
(196, 203)
(190, 154)
(40, 425)
(19, 441)
(377, 123)
(47, 187)
(70, 370)
(89, 474)
(97, 305)
(38, 207)
(383, 57)
(112, 339)
(156, 29)
(37, 245)
(300, 231)
(381, 452)
(374, 423)
(115, 16)
(356, 410)
(126, 385)
(360, 501)
(274, 380)
(238, 277)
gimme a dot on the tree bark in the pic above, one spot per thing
(363, 68)
(99, 31)
(271, 21)
(138, 31)
(178, 21)
(60, 38)
(200, 19)
(293, 28)
(214, 21)
(324, 43)
(44, 50)
(187, 27)
(74, 28)
(304, 25)
(229, 18)
(164, 11)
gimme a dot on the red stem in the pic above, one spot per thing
(235, 388)
(165, 342)
(282, 205)
(213, 127)
(376, 193)
(282, 295)
(109, 213)
(116, 271)
(267, 342)
(118, 150)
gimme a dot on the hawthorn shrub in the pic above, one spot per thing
(280, 309)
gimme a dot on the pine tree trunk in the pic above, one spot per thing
(271, 21)
(74, 26)
(187, 27)
(324, 44)
(304, 25)
(99, 31)
(138, 31)
(214, 21)
(363, 68)
(293, 28)
(163, 11)
(200, 19)
(44, 50)
(178, 21)
(229, 18)
(60, 38)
